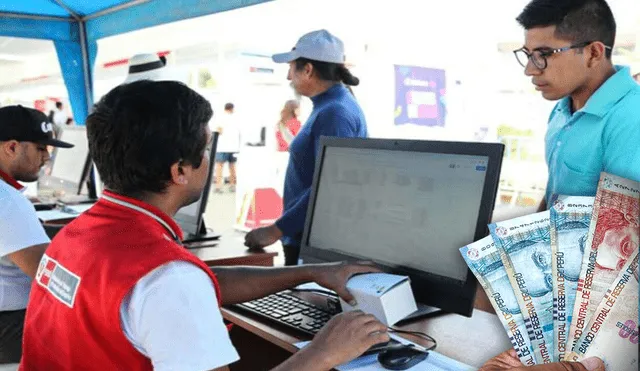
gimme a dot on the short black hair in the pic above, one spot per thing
(228, 107)
(575, 20)
(138, 130)
(327, 71)
(58, 105)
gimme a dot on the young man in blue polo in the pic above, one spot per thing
(595, 126)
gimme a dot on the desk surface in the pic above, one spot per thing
(469, 340)
(230, 250)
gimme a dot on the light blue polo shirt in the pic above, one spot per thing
(602, 136)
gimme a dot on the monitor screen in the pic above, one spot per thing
(99, 186)
(190, 217)
(406, 205)
(401, 208)
(68, 163)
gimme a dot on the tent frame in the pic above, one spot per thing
(75, 37)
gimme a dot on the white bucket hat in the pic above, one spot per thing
(147, 67)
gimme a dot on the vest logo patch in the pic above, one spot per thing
(58, 280)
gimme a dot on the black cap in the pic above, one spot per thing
(27, 125)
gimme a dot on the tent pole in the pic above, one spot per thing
(113, 9)
(34, 17)
(86, 70)
(82, 25)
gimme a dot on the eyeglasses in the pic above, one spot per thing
(539, 57)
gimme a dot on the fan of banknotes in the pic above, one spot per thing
(564, 282)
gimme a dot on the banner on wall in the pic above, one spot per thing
(420, 96)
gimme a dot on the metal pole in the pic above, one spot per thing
(87, 173)
(86, 67)
(113, 9)
(35, 17)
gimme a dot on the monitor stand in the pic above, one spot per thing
(423, 311)
(204, 234)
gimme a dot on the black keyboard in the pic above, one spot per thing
(290, 311)
(297, 314)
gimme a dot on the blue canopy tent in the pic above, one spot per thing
(75, 26)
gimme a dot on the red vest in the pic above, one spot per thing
(73, 316)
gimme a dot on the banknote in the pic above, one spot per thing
(613, 237)
(525, 249)
(483, 258)
(612, 333)
(570, 217)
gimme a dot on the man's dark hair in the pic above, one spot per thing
(329, 71)
(138, 130)
(575, 20)
(59, 105)
(229, 107)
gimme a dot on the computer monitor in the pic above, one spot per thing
(98, 185)
(191, 217)
(407, 206)
(68, 163)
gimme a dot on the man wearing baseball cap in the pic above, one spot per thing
(25, 134)
(316, 70)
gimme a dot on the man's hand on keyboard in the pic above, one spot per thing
(346, 336)
(334, 276)
(509, 361)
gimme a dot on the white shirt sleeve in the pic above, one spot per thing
(172, 316)
(19, 224)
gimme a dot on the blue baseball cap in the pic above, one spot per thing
(318, 45)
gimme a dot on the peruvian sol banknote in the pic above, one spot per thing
(525, 249)
(612, 333)
(613, 237)
(483, 258)
(570, 217)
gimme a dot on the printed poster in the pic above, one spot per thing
(420, 96)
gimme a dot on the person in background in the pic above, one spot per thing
(59, 115)
(288, 126)
(57, 130)
(25, 134)
(228, 148)
(595, 126)
(117, 290)
(317, 71)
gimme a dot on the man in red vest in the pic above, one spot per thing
(116, 290)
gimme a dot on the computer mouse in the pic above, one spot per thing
(402, 357)
(377, 348)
